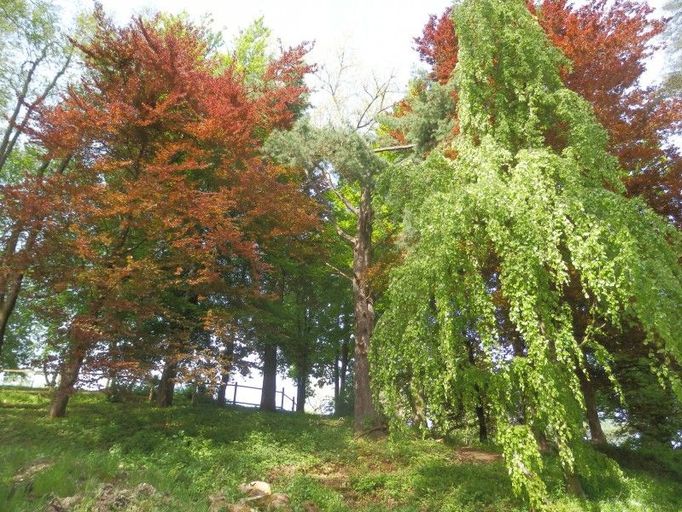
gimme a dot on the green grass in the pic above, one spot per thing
(191, 453)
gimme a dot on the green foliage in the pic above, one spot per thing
(495, 238)
(191, 453)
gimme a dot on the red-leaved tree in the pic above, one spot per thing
(167, 190)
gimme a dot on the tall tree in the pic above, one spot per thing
(496, 234)
(171, 191)
(639, 119)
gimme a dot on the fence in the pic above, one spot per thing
(238, 386)
(32, 378)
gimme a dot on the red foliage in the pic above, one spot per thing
(437, 45)
(607, 43)
(168, 189)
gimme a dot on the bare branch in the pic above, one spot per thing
(345, 236)
(21, 98)
(338, 271)
(330, 185)
(386, 149)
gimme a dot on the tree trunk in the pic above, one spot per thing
(268, 398)
(596, 433)
(68, 378)
(227, 371)
(364, 412)
(301, 385)
(10, 281)
(8, 301)
(164, 397)
(222, 389)
(337, 381)
(482, 425)
(345, 355)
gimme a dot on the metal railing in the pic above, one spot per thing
(283, 396)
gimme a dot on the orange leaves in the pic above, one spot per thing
(171, 193)
(438, 45)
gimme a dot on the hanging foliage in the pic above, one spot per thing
(498, 235)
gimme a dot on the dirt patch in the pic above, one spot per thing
(63, 504)
(111, 498)
(334, 476)
(476, 456)
(27, 473)
(283, 472)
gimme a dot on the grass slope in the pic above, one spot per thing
(192, 453)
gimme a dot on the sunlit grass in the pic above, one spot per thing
(191, 453)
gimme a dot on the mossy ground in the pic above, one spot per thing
(192, 453)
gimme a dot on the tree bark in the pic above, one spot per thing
(364, 412)
(268, 398)
(68, 378)
(227, 371)
(301, 385)
(596, 433)
(164, 397)
(482, 425)
(222, 389)
(337, 380)
(8, 301)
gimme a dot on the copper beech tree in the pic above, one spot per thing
(166, 187)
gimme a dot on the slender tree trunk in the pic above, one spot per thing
(596, 433)
(68, 378)
(301, 385)
(195, 394)
(364, 411)
(482, 425)
(268, 398)
(164, 396)
(10, 281)
(480, 409)
(222, 389)
(345, 356)
(337, 380)
(227, 371)
(8, 301)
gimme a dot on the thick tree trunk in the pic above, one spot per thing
(364, 412)
(164, 396)
(268, 398)
(596, 433)
(68, 378)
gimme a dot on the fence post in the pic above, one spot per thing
(293, 404)
(282, 403)
(234, 397)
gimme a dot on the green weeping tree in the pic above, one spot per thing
(521, 252)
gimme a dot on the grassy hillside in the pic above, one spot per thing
(194, 456)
